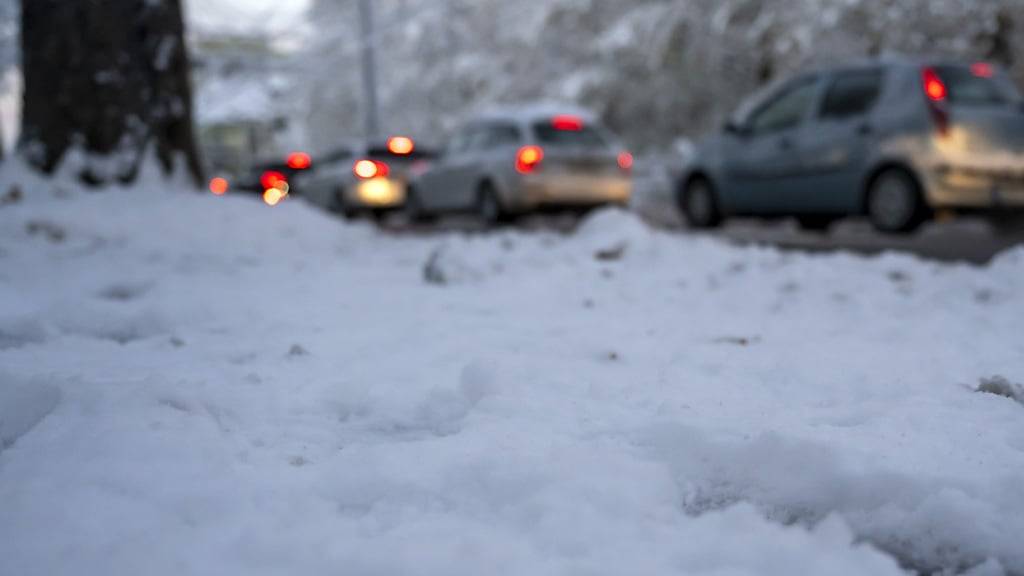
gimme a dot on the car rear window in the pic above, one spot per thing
(969, 87)
(583, 137)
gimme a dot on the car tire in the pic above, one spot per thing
(895, 204)
(415, 213)
(699, 204)
(488, 205)
(1007, 225)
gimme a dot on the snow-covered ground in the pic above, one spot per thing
(199, 385)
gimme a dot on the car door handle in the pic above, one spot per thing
(785, 143)
(865, 129)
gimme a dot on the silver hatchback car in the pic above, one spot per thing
(514, 161)
(896, 140)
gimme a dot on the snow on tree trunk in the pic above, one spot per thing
(108, 77)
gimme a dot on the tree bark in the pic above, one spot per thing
(108, 77)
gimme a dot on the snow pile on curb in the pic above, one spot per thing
(191, 385)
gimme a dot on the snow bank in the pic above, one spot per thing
(192, 384)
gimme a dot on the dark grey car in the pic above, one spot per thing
(895, 140)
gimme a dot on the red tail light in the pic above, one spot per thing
(370, 169)
(937, 93)
(273, 179)
(567, 123)
(626, 162)
(219, 186)
(401, 145)
(299, 161)
(528, 159)
(934, 87)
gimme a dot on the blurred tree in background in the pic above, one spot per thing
(655, 69)
(109, 79)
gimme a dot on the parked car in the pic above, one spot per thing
(514, 161)
(895, 140)
(270, 179)
(359, 179)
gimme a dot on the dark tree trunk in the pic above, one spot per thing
(108, 77)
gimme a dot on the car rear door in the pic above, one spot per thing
(838, 146)
(762, 161)
(441, 188)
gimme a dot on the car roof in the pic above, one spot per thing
(526, 113)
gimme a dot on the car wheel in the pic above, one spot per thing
(338, 205)
(488, 205)
(1007, 225)
(415, 213)
(894, 202)
(699, 205)
(819, 224)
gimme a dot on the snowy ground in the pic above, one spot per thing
(192, 385)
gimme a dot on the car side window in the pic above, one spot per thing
(461, 141)
(852, 94)
(787, 110)
(499, 135)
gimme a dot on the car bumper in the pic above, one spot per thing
(974, 188)
(538, 192)
(378, 194)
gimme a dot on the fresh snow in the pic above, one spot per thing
(198, 385)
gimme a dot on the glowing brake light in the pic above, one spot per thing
(626, 161)
(369, 169)
(274, 179)
(528, 159)
(299, 161)
(401, 145)
(934, 87)
(567, 123)
(982, 70)
(219, 186)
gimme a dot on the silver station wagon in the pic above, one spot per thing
(896, 140)
(515, 161)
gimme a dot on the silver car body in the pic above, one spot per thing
(483, 154)
(822, 163)
(332, 184)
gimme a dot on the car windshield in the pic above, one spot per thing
(579, 137)
(978, 85)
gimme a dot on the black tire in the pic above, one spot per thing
(1007, 225)
(340, 206)
(817, 224)
(414, 211)
(895, 204)
(489, 207)
(699, 204)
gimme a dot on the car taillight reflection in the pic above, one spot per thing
(528, 159)
(982, 70)
(369, 169)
